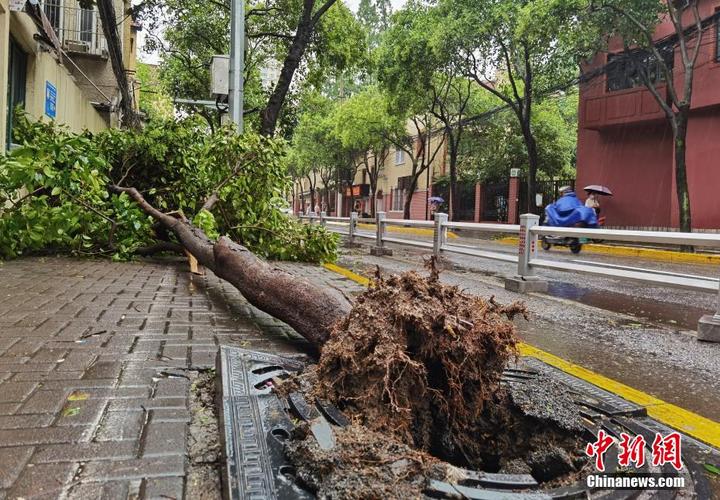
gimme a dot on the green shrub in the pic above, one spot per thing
(54, 190)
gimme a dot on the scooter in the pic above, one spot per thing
(568, 211)
(574, 244)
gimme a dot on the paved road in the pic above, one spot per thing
(87, 409)
(639, 335)
(678, 308)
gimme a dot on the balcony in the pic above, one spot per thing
(78, 29)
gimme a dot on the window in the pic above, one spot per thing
(399, 157)
(17, 79)
(398, 201)
(53, 11)
(87, 24)
(625, 70)
(717, 36)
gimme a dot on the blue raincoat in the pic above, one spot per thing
(569, 211)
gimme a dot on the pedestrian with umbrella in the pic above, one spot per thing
(594, 192)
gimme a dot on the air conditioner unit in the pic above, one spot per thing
(77, 46)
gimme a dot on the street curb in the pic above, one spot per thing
(694, 425)
(701, 428)
(650, 253)
(417, 231)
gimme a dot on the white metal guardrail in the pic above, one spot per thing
(528, 262)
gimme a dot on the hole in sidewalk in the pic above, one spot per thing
(280, 434)
(270, 381)
(288, 471)
(267, 369)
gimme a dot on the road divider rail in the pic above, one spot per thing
(528, 263)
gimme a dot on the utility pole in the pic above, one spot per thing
(237, 62)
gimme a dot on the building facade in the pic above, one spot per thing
(625, 141)
(73, 83)
(478, 202)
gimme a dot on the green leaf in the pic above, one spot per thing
(713, 469)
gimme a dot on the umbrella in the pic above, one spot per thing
(596, 188)
(436, 199)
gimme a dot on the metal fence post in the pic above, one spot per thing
(439, 233)
(527, 244)
(379, 229)
(379, 248)
(525, 280)
(353, 227)
(709, 325)
(322, 218)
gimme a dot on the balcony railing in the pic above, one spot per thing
(79, 29)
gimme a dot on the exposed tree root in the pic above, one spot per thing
(420, 359)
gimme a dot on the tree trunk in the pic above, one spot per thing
(271, 113)
(532, 152)
(453, 203)
(681, 183)
(409, 197)
(309, 309)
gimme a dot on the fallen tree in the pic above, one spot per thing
(309, 309)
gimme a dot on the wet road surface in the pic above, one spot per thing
(642, 336)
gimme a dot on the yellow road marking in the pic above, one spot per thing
(347, 273)
(417, 231)
(649, 253)
(701, 428)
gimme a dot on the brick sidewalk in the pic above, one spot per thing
(85, 346)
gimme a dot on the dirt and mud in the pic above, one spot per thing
(203, 446)
(417, 367)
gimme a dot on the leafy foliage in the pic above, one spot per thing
(187, 33)
(493, 146)
(52, 190)
(177, 165)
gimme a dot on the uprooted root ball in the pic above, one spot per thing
(422, 360)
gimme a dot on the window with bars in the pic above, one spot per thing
(53, 11)
(86, 24)
(625, 70)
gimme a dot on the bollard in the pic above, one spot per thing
(322, 218)
(439, 233)
(351, 243)
(709, 325)
(525, 279)
(379, 248)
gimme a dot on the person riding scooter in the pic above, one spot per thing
(568, 211)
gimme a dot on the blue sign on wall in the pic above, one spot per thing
(50, 99)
